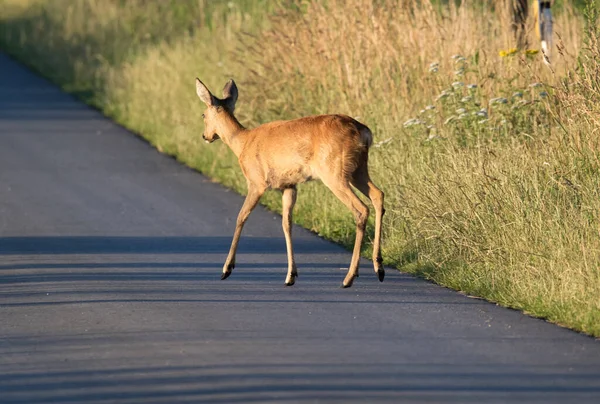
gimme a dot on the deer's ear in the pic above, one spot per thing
(230, 93)
(204, 94)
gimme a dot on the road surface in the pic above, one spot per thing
(110, 258)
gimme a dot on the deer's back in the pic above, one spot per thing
(285, 153)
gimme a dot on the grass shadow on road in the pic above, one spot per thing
(60, 245)
(297, 382)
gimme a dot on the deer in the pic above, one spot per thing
(282, 154)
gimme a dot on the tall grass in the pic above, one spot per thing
(491, 192)
(489, 162)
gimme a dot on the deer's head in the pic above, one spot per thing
(217, 108)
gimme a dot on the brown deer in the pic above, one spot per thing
(282, 154)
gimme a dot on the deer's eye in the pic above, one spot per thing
(202, 116)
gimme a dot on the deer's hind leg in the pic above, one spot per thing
(288, 202)
(361, 213)
(362, 182)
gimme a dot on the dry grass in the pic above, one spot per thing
(505, 209)
(502, 205)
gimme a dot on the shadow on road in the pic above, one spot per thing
(158, 245)
(295, 382)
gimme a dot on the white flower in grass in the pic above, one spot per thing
(482, 112)
(432, 136)
(413, 122)
(483, 121)
(459, 72)
(535, 85)
(461, 111)
(456, 57)
(519, 104)
(467, 98)
(450, 119)
(517, 94)
(430, 107)
(471, 86)
(383, 142)
(458, 84)
(444, 94)
(463, 115)
(498, 100)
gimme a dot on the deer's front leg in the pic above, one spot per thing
(289, 200)
(254, 194)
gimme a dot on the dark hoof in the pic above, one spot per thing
(344, 286)
(292, 280)
(225, 275)
(381, 274)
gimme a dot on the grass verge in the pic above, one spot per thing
(489, 159)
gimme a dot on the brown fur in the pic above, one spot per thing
(282, 154)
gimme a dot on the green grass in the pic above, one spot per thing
(502, 204)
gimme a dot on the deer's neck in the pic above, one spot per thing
(231, 133)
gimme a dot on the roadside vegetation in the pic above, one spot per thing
(489, 158)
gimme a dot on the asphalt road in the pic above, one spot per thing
(110, 259)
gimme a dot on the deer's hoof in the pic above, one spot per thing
(380, 274)
(292, 280)
(227, 270)
(347, 284)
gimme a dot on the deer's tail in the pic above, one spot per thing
(366, 136)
